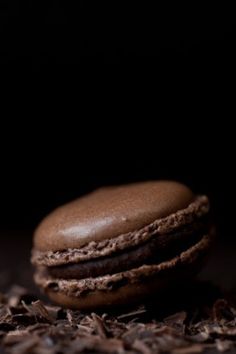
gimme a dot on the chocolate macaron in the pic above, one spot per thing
(119, 244)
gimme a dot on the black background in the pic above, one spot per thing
(96, 94)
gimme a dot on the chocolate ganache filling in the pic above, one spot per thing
(158, 249)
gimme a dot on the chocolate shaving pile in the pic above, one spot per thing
(27, 325)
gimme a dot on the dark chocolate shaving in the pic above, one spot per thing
(37, 328)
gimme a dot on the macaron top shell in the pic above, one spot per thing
(110, 212)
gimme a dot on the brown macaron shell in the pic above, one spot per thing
(170, 224)
(109, 212)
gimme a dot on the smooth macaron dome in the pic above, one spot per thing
(120, 243)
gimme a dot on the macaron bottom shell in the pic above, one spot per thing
(146, 281)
